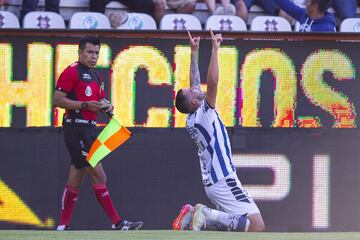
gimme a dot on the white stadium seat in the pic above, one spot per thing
(270, 24)
(180, 22)
(300, 3)
(225, 23)
(8, 20)
(350, 25)
(89, 20)
(138, 21)
(43, 20)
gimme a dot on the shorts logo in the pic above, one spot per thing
(240, 194)
(88, 91)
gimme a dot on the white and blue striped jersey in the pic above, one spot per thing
(210, 135)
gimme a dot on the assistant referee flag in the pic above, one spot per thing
(111, 137)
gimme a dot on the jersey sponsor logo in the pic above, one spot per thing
(81, 121)
(206, 181)
(86, 76)
(200, 145)
(88, 91)
(192, 131)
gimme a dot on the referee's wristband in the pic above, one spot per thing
(84, 105)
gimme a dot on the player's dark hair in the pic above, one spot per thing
(323, 5)
(93, 40)
(181, 103)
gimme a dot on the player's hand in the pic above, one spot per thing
(194, 42)
(216, 40)
(93, 106)
(106, 106)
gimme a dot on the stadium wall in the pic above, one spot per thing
(302, 181)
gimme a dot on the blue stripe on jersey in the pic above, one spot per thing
(223, 130)
(203, 132)
(219, 153)
(213, 174)
(209, 148)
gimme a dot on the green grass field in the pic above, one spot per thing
(170, 235)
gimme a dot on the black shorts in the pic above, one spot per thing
(78, 140)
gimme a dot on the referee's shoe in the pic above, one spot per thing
(124, 225)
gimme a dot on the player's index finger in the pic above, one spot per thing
(211, 33)
(189, 35)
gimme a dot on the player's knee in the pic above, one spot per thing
(102, 179)
(257, 226)
(256, 223)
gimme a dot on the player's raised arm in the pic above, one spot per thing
(194, 69)
(213, 70)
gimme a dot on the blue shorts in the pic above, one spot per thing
(269, 6)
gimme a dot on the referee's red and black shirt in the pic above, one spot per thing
(80, 83)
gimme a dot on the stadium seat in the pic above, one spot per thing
(43, 20)
(181, 22)
(297, 26)
(270, 24)
(8, 20)
(225, 23)
(300, 3)
(138, 21)
(89, 20)
(350, 25)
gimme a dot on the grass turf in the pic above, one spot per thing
(169, 235)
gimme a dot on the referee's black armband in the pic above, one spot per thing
(84, 105)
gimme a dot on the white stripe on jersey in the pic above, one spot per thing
(210, 135)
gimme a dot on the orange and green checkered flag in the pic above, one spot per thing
(111, 137)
